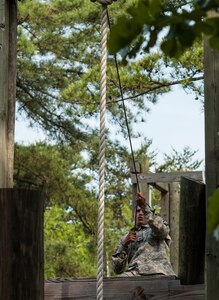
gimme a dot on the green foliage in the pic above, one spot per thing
(213, 211)
(59, 64)
(64, 240)
(184, 22)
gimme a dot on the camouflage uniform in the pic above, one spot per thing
(148, 254)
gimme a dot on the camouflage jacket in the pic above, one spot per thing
(148, 254)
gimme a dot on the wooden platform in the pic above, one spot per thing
(115, 288)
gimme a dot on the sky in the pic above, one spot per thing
(177, 120)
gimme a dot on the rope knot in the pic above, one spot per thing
(104, 2)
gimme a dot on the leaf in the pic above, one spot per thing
(213, 211)
(172, 48)
(122, 34)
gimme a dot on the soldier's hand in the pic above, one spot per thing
(131, 237)
(149, 216)
(140, 200)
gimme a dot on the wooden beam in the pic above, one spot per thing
(166, 177)
(162, 187)
(211, 85)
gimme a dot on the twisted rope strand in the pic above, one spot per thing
(104, 30)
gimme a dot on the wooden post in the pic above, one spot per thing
(135, 171)
(165, 203)
(142, 167)
(4, 34)
(8, 36)
(145, 187)
(192, 232)
(211, 85)
(21, 245)
(12, 74)
(174, 200)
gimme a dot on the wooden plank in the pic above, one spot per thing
(134, 288)
(21, 245)
(162, 187)
(192, 232)
(151, 178)
(114, 288)
(211, 81)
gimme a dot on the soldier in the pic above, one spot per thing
(144, 248)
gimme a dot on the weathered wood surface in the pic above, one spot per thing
(12, 74)
(211, 85)
(166, 177)
(192, 232)
(144, 188)
(8, 36)
(4, 49)
(21, 245)
(136, 288)
(174, 205)
(165, 203)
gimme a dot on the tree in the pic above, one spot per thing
(185, 22)
(180, 161)
(65, 240)
(58, 70)
(68, 177)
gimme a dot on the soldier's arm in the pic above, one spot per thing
(120, 257)
(159, 227)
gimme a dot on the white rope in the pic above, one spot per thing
(100, 236)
